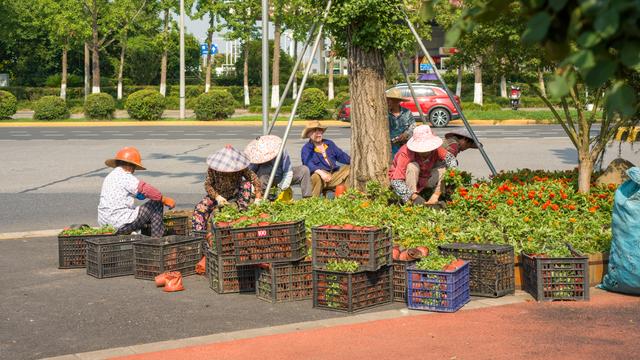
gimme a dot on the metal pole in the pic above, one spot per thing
(291, 77)
(413, 93)
(265, 66)
(453, 101)
(182, 100)
(295, 104)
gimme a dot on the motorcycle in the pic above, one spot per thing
(515, 97)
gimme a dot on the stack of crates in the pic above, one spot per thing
(223, 273)
(371, 285)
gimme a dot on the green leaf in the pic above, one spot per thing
(630, 54)
(583, 59)
(558, 87)
(607, 23)
(557, 5)
(602, 72)
(589, 39)
(452, 36)
(621, 98)
(537, 28)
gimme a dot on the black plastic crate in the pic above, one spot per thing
(226, 277)
(222, 241)
(370, 247)
(72, 250)
(154, 256)
(351, 292)
(400, 280)
(111, 256)
(285, 282)
(491, 267)
(442, 291)
(282, 242)
(175, 223)
(548, 279)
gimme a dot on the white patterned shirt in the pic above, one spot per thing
(117, 198)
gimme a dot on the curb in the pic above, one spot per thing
(29, 234)
(478, 303)
(333, 123)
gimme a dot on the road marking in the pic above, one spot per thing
(53, 134)
(20, 134)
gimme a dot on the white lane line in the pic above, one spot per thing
(20, 134)
(52, 134)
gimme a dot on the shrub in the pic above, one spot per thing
(470, 106)
(214, 105)
(50, 108)
(313, 105)
(73, 80)
(145, 105)
(8, 104)
(99, 106)
(339, 99)
(491, 107)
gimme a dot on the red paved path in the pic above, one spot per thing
(607, 327)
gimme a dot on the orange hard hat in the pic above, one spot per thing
(127, 154)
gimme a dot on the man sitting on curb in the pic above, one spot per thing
(120, 188)
(414, 167)
(321, 157)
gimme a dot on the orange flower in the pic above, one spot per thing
(593, 209)
(476, 185)
(536, 203)
(611, 186)
(555, 207)
(510, 202)
(602, 196)
(452, 173)
(364, 205)
(552, 195)
(563, 196)
(572, 207)
(572, 220)
(527, 219)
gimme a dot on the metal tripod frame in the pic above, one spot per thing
(404, 71)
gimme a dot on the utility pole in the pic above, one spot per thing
(182, 85)
(265, 67)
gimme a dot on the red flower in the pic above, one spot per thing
(572, 207)
(510, 202)
(552, 195)
(554, 207)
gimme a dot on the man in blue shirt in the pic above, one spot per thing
(401, 121)
(322, 156)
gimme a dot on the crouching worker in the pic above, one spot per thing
(262, 153)
(414, 167)
(119, 191)
(229, 180)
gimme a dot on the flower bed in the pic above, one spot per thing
(533, 211)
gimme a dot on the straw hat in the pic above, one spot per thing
(395, 94)
(128, 154)
(463, 133)
(310, 126)
(263, 149)
(423, 140)
(228, 159)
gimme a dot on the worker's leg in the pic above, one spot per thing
(148, 213)
(202, 212)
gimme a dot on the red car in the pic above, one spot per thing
(433, 100)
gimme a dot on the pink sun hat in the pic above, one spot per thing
(263, 149)
(423, 140)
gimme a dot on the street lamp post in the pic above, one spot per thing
(265, 67)
(182, 83)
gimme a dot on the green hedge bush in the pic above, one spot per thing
(8, 104)
(50, 108)
(214, 105)
(145, 105)
(99, 106)
(339, 99)
(313, 105)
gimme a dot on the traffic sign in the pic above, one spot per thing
(425, 67)
(203, 49)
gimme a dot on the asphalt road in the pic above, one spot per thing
(49, 312)
(51, 176)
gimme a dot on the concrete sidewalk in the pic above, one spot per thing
(504, 328)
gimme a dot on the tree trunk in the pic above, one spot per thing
(123, 46)
(294, 92)
(321, 65)
(330, 94)
(503, 86)
(245, 74)
(416, 64)
(63, 80)
(87, 70)
(370, 142)
(95, 88)
(207, 81)
(585, 168)
(275, 71)
(477, 86)
(165, 55)
(459, 82)
(543, 91)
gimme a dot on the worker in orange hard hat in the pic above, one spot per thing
(119, 191)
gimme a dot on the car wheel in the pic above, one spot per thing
(439, 117)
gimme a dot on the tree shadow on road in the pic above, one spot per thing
(566, 155)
